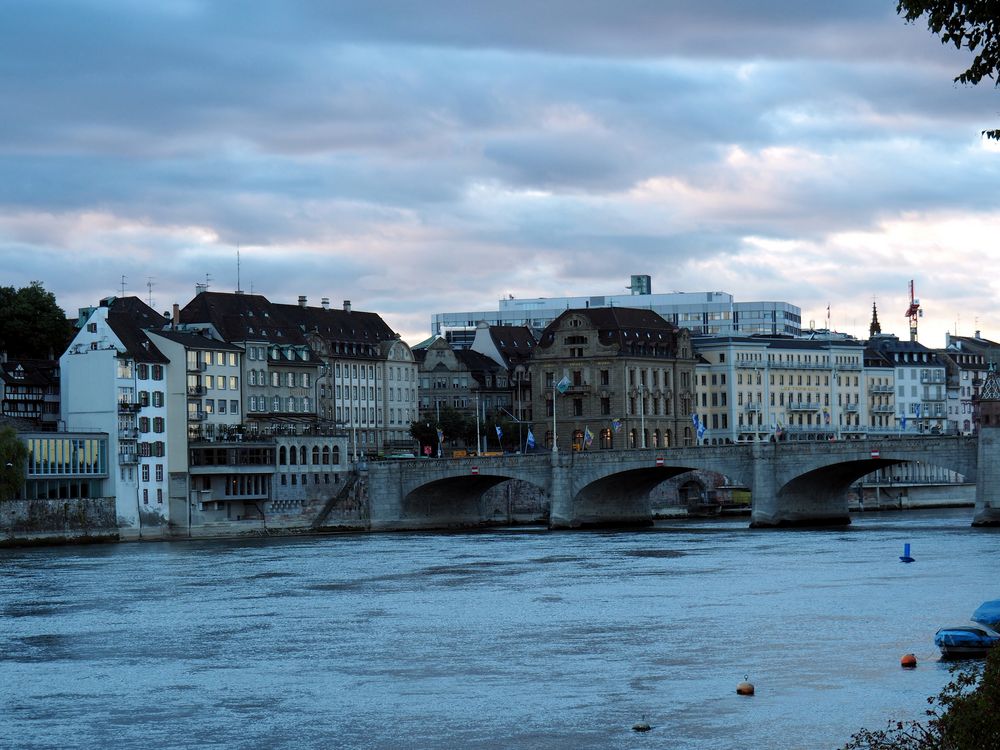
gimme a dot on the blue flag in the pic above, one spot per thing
(563, 384)
(531, 439)
(499, 433)
(588, 437)
(616, 424)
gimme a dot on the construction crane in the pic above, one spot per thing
(913, 312)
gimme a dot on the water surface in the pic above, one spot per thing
(507, 639)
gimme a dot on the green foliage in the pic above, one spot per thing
(32, 325)
(460, 429)
(964, 716)
(13, 455)
(974, 25)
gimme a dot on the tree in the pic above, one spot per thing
(13, 455)
(974, 24)
(32, 325)
(964, 716)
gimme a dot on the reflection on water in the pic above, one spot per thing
(514, 638)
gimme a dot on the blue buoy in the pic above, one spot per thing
(906, 553)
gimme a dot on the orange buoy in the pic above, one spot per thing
(745, 687)
(909, 661)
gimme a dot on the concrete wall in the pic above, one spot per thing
(26, 522)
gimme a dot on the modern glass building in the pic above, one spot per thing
(700, 312)
(65, 466)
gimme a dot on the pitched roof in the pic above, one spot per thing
(619, 326)
(127, 318)
(35, 372)
(191, 340)
(242, 317)
(515, 343)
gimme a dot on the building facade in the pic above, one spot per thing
(609, 378)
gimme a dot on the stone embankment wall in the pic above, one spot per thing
(38, 522)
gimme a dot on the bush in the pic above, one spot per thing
(965, 715)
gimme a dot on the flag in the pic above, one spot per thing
(440, 436)
(531, 439)
(904, 421)
(826, 416)
(916, 410)
(701, 430)
(694, 420)
(563, 384)
(588, 437)
(616, 425)
(499, 433)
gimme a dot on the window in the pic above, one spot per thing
(145, 472)
(157, 372)
(158, 398)
(209, 381)
(145, 497)
(159, 495)
(234, 406)
(234, 383)
(157, 424)
(159, 472)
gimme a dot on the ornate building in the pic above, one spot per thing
(612, 378)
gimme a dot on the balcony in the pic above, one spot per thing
(932, 378)
(803, 406)
(881, 389)
(128, 458)
(128, 433)
(197, 367)
(196, 390)
(752, 408)
(196, 416)
(129, 406)
(851, 407)
(883, 409)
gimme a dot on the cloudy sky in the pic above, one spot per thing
(429, 157)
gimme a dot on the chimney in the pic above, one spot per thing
(177, 315)
(325, 302)
(977, 335)
(347, 305)
(302, 300)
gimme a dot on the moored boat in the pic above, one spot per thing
(965, 641)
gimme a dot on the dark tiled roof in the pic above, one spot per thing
(242, 317)
(619, 326)
(515, 343)
(127, 317)
(351, 326)
(477, 362)
(35, 372)
(197, 341)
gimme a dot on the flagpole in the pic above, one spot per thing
(479, 442)
(555, 443)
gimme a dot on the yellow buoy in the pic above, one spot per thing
(745, 687)
(909, 661)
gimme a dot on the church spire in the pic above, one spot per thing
(874, 329)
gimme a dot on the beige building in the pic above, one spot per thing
(759, 387)
(606, 378)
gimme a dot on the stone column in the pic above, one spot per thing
(988, 478)
(561, 515)
(385, 501)
(763, 492)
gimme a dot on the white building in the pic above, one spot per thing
(700, 312)
(114, 381)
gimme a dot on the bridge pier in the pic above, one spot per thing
(561, 515)
(809, 500)
(988, 478)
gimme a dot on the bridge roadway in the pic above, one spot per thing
(791, 483)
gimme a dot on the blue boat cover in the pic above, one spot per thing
(988, 613)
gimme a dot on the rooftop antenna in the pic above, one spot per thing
(238, 290)
(123, 285)
(149, 290)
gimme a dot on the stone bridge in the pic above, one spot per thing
(791, 483)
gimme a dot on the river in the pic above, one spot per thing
(518, 638)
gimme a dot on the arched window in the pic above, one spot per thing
(656, 439)
(302, 455)
(667, 439)
(282, 456)
(315, 455)
(326, 455)
(607, 441)
(578, 440)
(633, 438)
(292, 455)
(548, 439)
(336, 455)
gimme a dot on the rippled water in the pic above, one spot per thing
(507, 639)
